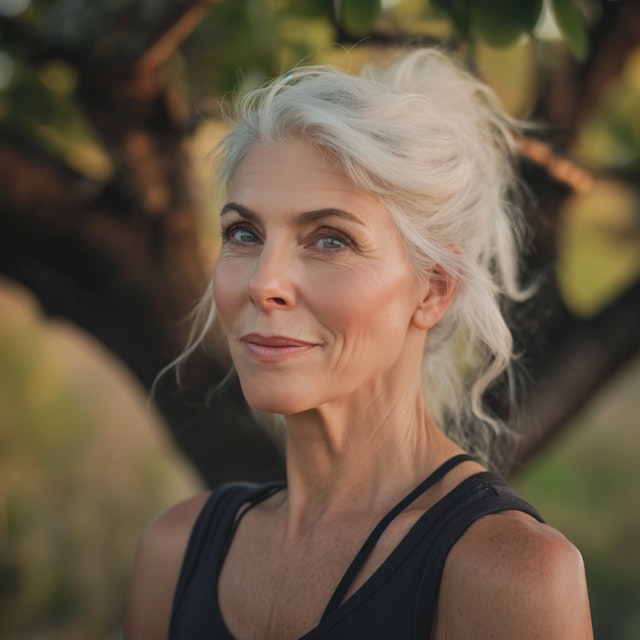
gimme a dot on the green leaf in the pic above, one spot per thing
(531, 10)
(457, 11)
(358, 16)
(501, 22)
(572, 25)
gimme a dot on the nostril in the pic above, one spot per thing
(279, 301)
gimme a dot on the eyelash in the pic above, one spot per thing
(227, 234)
(328, 232)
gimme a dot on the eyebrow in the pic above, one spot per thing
(302, 218)
(238, 208)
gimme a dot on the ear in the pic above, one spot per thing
(438, 291)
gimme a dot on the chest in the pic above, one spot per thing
(269, 588)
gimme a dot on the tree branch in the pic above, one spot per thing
(167, 40)
(580, 357)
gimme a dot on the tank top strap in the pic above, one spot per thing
(263, 494)
(374, 536)
(492, 495)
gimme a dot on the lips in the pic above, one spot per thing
(274, 348)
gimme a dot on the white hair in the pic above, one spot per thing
(432, 142)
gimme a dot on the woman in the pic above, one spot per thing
(368, 243)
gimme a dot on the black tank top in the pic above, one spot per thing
(398, 600)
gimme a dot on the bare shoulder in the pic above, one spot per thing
(510, 576)
(156, 569)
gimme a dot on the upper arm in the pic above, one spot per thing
(156, 569)
(511, 577)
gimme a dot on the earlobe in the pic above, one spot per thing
(439, 291)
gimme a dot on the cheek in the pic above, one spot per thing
(339, 296)
(365, 303)
(227, 288)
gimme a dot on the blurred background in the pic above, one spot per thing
(108, 236)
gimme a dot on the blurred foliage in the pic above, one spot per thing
(243, 42)
(599, 231)
(599, 248)
(611, 139)
(82, 469)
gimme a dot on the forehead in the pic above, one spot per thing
(297, 172)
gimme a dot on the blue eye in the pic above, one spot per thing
(330, 242)
(241, 235)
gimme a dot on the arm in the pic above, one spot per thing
(512, 577)
(156, 569)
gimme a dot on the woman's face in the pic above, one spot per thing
(313, 283)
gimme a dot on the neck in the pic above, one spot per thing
(358, 455)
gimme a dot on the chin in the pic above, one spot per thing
(272, 401)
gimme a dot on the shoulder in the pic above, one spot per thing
(156, 569)
(512, 576)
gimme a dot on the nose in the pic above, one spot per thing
(271, 284)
